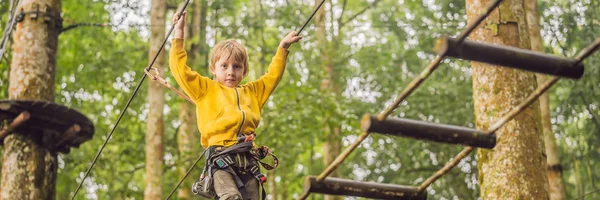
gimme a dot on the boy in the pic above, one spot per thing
(227, 111)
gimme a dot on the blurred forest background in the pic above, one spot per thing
(355, 60)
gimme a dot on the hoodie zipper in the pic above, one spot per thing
(237, 95)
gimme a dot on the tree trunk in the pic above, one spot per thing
(156, 102)
(515, 168)
(263, 50)
(272, 184)
(331, 147)
(199, 51)
(556, 189)
(331, 150)
(28, 168)
(284, 193)
(188, 137)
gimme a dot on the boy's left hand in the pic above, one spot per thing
(289, 39)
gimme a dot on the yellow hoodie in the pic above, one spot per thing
(223, 112)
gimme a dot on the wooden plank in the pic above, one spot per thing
(50, 122)
(428, 131)
(20, 119)
(510, 57)
(338, 186)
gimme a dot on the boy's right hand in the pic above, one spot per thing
(179, 22)
(289, 39)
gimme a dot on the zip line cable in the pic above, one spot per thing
(187, 173)
(194, 165)
(128, 103)
(309, 18)
(11, 24)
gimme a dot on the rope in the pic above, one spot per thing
(309, 18)
(467, 150)
(186, 174)
(588, 51)
(127, 105)
(425, 74)
(11, 24)
(156, 77)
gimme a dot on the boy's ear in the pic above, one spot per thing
(212, 70)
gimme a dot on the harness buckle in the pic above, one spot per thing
(262, 178)
(245, 138)
(221, 164)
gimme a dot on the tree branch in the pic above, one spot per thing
(135, 168)
(345, 58)
(562, 47)
(593, 191)
(593, 11)
(423, 169)
(72, 26)
(4, 57)
(360, 13)
(172, 7)
(342, 14)
(594, 117)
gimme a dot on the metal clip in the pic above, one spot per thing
(47, 15)
(20, 16)
(204, 188)
(34, 15)
(153, 76)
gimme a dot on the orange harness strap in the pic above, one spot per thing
(156, 77)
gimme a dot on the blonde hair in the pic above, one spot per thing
(229, 48)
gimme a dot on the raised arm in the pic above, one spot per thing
(266, 84)
(191, 82)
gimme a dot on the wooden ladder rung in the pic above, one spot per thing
(338, 186)
(428, 131)
(510, 57)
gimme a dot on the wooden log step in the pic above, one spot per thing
(338, 186)
(57, 127)
(428, 131)
(510, 57)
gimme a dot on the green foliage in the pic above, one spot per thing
(375, 55)
(574, 104)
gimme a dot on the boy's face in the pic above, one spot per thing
(228, 71)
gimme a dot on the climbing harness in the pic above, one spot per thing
(225, 159)
(240, 160)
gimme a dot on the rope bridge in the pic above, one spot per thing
(462, 49)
